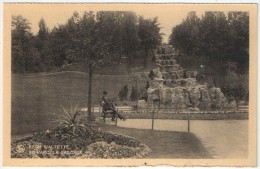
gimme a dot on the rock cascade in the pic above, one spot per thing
(172, 87)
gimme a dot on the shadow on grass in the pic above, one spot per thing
(166, 144)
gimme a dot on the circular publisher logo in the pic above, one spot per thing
(20, 148)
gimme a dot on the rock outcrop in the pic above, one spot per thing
(176, 88)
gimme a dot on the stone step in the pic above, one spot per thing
(166, 56)
(173, 75)
(175, 65)
(166, 62)
(173, 68)
(245, 108)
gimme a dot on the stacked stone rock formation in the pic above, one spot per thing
(173, 87)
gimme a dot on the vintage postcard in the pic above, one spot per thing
(129, 84)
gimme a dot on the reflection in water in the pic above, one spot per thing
(222, 138)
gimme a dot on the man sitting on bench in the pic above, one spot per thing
(107, 106)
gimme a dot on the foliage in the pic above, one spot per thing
(235, 93)
(214, 39)
(73, 122)
(88, 46)
(91, 47)
(123, 93)
(21, 47)
(105, 36)
(43, 30)
(29, 53)
(105, 150)
(21, 28)
(99, 144)
(150, 36)
(185, 36)
(134, 94)
(121, 27)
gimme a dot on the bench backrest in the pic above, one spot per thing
(119, 108)
(124, 108)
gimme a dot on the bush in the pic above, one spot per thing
(123, 93)
(134, 94)
(238, 93)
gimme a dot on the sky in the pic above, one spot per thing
(169, 15)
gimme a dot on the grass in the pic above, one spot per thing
(166, 144)
(36, 99)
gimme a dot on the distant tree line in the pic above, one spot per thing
(214, 39)
(104, 36)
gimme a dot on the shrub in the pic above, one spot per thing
(134, 94)
(123, 93)
(237, 93)
(73, 122)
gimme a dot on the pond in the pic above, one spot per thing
(222, 138)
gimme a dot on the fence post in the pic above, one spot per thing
(188, 125)
(116, 115)
(153, 120)
(104, 115)
(93, 114)
(99, 112)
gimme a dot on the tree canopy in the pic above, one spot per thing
(119, 34)
(149, 33)
(25, 58)
(215, 38)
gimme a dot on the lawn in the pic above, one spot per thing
(166, 144)
(36, 99)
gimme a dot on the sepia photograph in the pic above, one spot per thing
(129, 84)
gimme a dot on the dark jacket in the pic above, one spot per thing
(106, 103)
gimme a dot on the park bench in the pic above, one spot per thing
(119, 109)
(103, 114)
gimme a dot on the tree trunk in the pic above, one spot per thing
(89, 90)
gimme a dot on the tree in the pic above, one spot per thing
(121, 26)
(44, 46)
(149, 34)
(18, 62)
(239, 38)
(60, 41)
(214, 37)
(21, 37)
(91, 46)
(21, 29)
(130, 39)
(43, 30)
(32, 60)
(185, 36)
